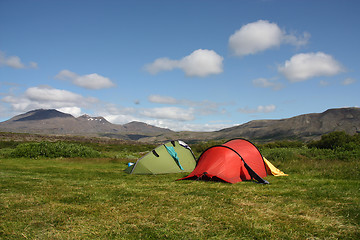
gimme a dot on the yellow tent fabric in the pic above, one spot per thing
(271, 169)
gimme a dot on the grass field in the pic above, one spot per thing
(92, 198)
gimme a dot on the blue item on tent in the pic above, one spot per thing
(130, 164)
(174, 155)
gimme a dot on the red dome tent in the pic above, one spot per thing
(234, 161)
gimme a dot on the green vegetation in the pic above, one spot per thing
(123, 151)
(53, 150)
(284, 144)
(92, 198)
(337, 140)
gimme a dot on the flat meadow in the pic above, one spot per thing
(91, 197)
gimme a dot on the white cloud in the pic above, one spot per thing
(259, 109)
(153, 116)
(297, 41)
(162, 64)
(175, 118)
(200, 63)
(179, 114)
(3, 111)
(66, 75)
(162, 99)
(117, 114)
(261, 35)
(33, 65)
(14, 62)
(93, 81)
(120, 118)
(48, 98)
(266, 83)
(308, 65)
(19, 104)
(89, 81)
(204, 107)
(75, 111)
(348, 81)
(46, 94)
(266, 109)
(199, 127)
(324, 83)
(172, 124)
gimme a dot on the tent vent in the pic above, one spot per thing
(155, 153)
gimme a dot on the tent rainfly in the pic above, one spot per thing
(171, 157)
(235, 161)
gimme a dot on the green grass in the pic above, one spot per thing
(92, 198)
(53, 150)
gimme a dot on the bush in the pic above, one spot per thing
(337, 140)
(280, 154)
(283, 144)
(53, 150)
(8, 144)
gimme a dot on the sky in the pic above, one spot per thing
(179, 64)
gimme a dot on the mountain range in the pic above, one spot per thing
(303, 127)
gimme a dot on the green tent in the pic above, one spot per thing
(171, 157)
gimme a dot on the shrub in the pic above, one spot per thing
(53, 150)
(337, 140)
(8, 144)
(279, 154)
(283, 144)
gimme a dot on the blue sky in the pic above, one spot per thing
(183, 65)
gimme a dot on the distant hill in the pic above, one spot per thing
(303, 127)
(40, 114)
(51, 121)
